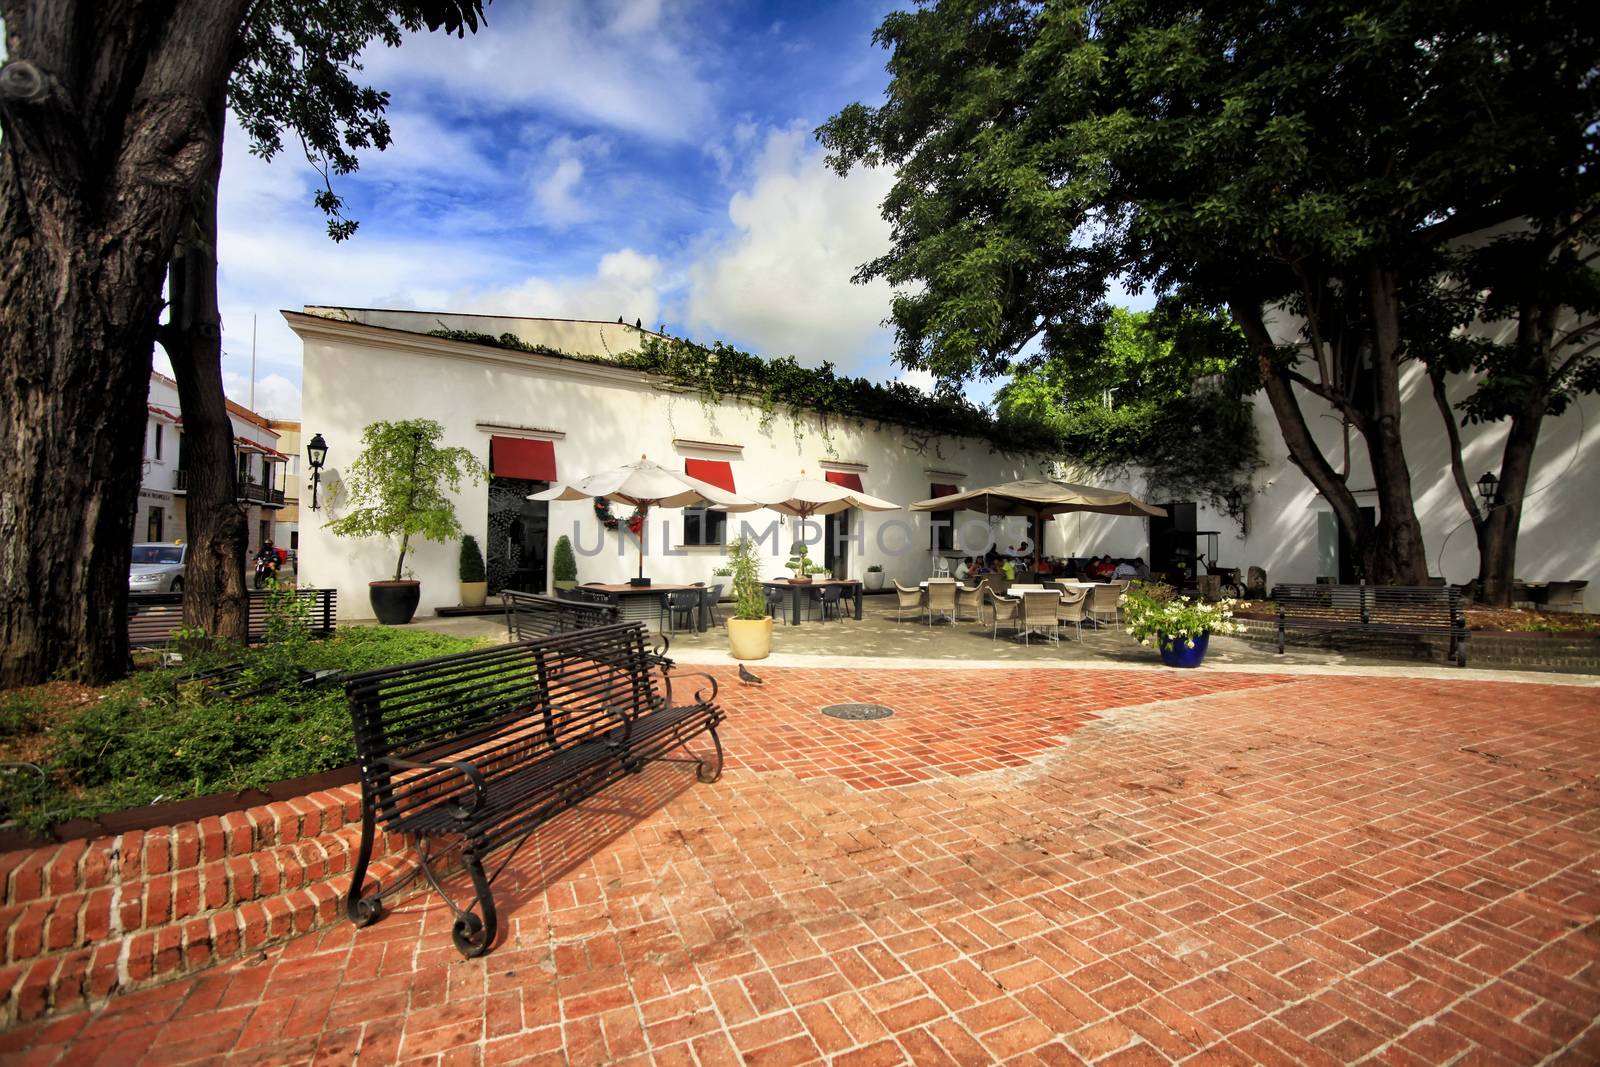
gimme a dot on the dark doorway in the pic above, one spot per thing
(836, 542)
(519, 535)
(1350, 572)
(1172, 540)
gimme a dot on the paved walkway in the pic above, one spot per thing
(1020, 866)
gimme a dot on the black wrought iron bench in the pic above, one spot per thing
(470, 753)
(153, 617)
(530, 615)
(1374, 609)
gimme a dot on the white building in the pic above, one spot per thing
(537, 418)
(163, 488)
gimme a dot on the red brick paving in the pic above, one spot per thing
(1202, 868)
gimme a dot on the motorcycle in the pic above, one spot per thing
(266, 570)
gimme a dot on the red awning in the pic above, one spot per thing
(936, 490)
(719, 472)
(848, 479)
(518, 457)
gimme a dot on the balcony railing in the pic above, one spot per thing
(244, 489)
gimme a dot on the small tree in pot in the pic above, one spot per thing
(397, 490)
(750, 629)
(564, 565)
(474, 581)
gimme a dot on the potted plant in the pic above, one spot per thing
(874, 579)
(474, 582)
(801, 566)
(397, 490)
(564, 566)
(750, 628)
(1179, 627)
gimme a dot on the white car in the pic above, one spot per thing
(157, 568)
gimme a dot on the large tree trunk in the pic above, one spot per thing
(105, 134)
(1400, 557)
(215, 597)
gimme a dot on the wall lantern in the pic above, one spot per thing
(316, 456)
(1487, 487)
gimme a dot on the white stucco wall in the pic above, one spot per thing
(606, 417)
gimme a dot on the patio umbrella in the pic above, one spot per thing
(646, 485)
(804, 497)
(1041, 498)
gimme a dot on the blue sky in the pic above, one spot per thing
(646, 158)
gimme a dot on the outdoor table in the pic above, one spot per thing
(644, 601)
(796, 594)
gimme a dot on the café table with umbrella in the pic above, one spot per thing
(802, 498)
(647, 485)
(1039, 499)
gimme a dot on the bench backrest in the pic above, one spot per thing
(152, 617)
(531, 615)
(1358, 604)
(498, 707)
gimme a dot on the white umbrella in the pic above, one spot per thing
(804, 497)
(646, 485)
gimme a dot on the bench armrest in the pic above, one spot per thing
(700, 694)
(480, 788)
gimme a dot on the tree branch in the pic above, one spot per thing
(1458, 468)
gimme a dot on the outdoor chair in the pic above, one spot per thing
(941, 598)
(778, 604)
(708, 600)
(1072, 605)
(906, 600)
(682, 604)
(969, 602)
(1039, 615)
(1003, 609)
(1103, 603)
(826, 600)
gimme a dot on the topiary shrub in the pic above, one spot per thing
(471, 561)
(564, 567)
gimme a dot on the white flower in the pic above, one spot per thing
(1190, 642)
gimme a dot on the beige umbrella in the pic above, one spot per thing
(804, 497)
(646, 485)
(1041, 498)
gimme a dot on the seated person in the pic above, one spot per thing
(963, 569)
(1125, 569)
(1009, 569)
(1101, 569)
(1046, 568)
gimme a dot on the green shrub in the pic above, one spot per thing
(564, 566)
(471, 560)
(21, 714)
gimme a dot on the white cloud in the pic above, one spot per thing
(625, 282)
(274, 396)
(554, 191)
(921, 380)
(625, 64)
(780, 282)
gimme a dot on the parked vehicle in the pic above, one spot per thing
(157, 567)
(266, 569)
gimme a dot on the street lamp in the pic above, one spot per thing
(316, 456)
(1488, 487)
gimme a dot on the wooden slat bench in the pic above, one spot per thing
(1374, 609)
(530, 615)
(153, 617)
(470, 753)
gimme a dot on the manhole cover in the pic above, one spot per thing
(858, 711)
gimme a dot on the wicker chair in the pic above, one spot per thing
(1004, 609)
(941, 598)
(906, 600)
(1039, 615)
(1072, 605)
(969, 602)
(1103, 603)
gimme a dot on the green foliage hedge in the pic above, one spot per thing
(160, 735)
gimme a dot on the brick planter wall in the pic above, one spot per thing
(87, 919)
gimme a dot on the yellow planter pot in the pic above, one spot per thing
(473, 594)
(750, 638)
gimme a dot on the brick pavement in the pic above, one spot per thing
(1022, 866)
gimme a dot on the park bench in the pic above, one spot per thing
(154, 617)
(1374, 609)
(530, 615)
(466, 755)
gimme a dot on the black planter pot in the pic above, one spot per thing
(394, 602)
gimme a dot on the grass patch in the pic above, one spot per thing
(173, 733)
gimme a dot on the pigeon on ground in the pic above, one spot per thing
(746, 677)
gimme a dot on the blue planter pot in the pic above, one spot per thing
(1175, 652)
